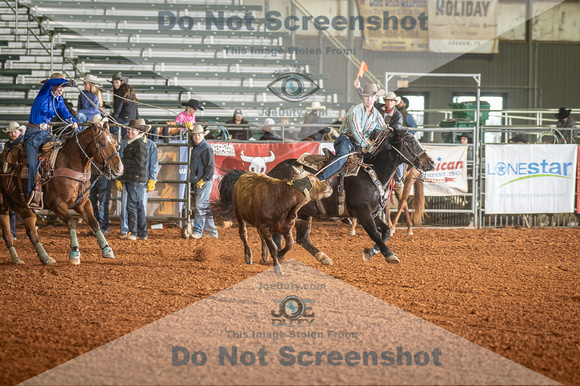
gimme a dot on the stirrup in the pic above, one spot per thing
(34, 202)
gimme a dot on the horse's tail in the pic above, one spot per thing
(224, 207)
(418, 205)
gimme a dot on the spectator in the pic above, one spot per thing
(202, 167)
(519, 139)
(465, 138)
(152, 168)
(124, 107)
(566, 122)
(48, 104)
(311, 118)
(16, 135)
(187, 117)
(408, 119)
(268, 131)
(90, 102)
(100, 194)
(238, 126)
(361, 120)
(133, 153)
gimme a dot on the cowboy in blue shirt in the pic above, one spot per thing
(48, 104)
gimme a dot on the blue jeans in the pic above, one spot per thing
(33, 140)
(135, 208)
(400, 169)
(342, 146)
(203, 219)
(123, 218)
(81, 118)
(100, 196)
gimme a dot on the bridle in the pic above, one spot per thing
(101, 150)
(406, 147)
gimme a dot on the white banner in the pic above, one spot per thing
(530, 178)
(449, 177)
(463, 26)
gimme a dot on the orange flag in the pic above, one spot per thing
(362, 69)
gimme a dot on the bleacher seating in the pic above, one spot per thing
(165, 67)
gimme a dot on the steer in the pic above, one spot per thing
(271, 205)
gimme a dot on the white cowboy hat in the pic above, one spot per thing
(97, 119)
(13, 126)
(372, 89)
(89, 78)
(392, 96)
(198, 129)
(316, 106)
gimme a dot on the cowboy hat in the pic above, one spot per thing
(316, 106)
(563, 113)
(371, 89)
(13, 126)
(58, 75)
(91, 79)
(118, 76)
(193, 103)
(139, 124)
(97, 119)
(518, 138)
(238, 112)
(198, 129)
(392, 97)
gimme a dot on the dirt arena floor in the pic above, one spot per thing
(513, 291)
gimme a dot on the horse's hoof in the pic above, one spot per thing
(351, 233)
(278, 270)
(74, 257)
(17, 261)
(410, 233)
(368, 253)
(48, 260)
(108, 253)
(323, 259)
(392, 258)
(248, 260)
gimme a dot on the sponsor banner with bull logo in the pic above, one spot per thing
(449, 177)
(254, 156)
(530, 178)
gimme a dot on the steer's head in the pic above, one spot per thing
(318, 189)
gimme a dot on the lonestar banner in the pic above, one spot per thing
(449, 177)
(395, 25)
(255, 157)
(530, 178)
(463, 26)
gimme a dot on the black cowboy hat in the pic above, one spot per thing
(468, 136)
(119, 76)
(193, 103)
(518, 138)
(563, 113)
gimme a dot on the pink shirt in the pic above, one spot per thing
(184, 117)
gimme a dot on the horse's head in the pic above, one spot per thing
(412, 153)
(103, 148)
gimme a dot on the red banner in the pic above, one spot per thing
(255, 156)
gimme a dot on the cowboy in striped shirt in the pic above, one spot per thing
(360, 122)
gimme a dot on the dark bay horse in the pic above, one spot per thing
(362, 198)
(65, 189)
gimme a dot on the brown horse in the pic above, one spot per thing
(66, 188)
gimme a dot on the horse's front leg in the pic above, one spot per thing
(372, 228)
(303, 238)
(29, 219)
(61, 210)
(8, 238)
(85, 209)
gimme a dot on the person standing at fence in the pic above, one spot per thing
(133, 153)
(100, 194)
(201, 166)
(238, 126)
(15, 133)
(268, 130)
(565, 122)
